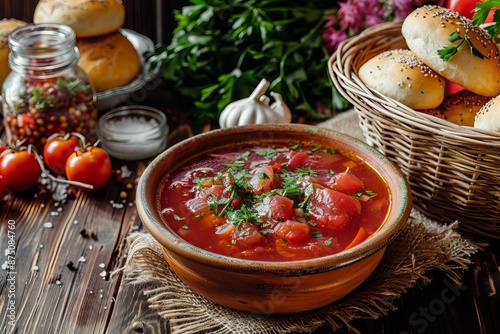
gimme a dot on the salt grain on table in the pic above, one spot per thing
(82, 259)
(125, 171)
(48, 225)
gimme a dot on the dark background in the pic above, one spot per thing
(153, 18)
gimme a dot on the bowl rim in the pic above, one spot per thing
(171, 242)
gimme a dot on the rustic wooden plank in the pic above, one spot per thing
(133, 315)
(61, 297)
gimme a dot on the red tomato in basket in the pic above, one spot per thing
(466, 8)
(453, 88)
(463, 7)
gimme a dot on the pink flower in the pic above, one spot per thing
(351, 18)
(402, 7)
(332, 38)
(373, 11)
(330, 22)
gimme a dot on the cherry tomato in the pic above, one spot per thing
(453, 88)
(466, 8)
(57, 151)
(92, 166)
(20, 170)
(463, 7)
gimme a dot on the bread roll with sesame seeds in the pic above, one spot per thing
(427, 30)
(400, 75)
(459, 108)
(488, 117)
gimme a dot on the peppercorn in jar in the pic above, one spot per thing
(46, 92)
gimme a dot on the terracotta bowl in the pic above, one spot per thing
(270, 287)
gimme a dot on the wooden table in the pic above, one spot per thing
(63, 254)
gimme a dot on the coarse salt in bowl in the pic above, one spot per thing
(133, 132)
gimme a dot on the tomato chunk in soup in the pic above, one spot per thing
(275, 203)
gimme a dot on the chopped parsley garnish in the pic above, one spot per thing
(262, 175)
(306, 171)
(316, 148)
(482, 10)
(178, 218)
(316, 234)
(244, 213)
(245, 155)
(235, 165)
(307, 193)
(266, 153)
(267, 231)
(367, 192)
(217, 202)
(329, 151)
(244, 232)
(450, 50)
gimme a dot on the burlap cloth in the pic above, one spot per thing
(423, 246)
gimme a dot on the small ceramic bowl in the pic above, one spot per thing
(261, 286)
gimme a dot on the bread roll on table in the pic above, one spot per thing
(110, 61)
(427, 29)
(88, 18)
(400, 75)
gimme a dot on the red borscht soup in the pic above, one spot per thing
(275, 203)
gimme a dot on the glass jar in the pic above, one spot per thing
(46, 92)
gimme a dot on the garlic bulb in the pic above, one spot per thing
(256, 109)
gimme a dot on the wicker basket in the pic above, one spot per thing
(454, 171)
